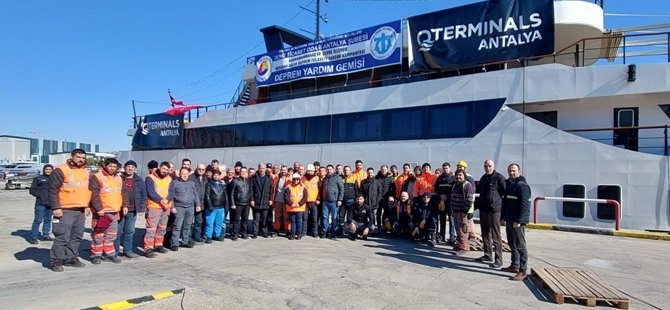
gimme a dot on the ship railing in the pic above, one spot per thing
(616, 204)
(652, 142)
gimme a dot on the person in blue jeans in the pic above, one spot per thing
(40, 189)
(135, 193)
(331, 196)
(216, 203)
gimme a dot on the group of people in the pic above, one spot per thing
(188, 205)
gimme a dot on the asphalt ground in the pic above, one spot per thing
(380, 273)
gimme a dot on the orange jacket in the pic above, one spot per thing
(75, 192)
(107, 196)
(312, 187)
(425, 183)
(398, 184)
(295, 193)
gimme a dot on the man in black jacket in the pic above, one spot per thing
(261, 191)
(491, 190)
(135, 193)
(40, 190)
(516, 213)
(385, 181)
(360, 219)
(443, 185)
(216, 198)
(240, 197)
(198, 177)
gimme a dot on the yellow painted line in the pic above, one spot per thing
(540, 226)
(162, 295)
(134, 302)
(119, 305)
(641, 235)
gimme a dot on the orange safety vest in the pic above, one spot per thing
(162, 187)
(424, 184)
(74, 192)
(297, 192)
(398, 184)
(360, 175)
(110, 192)
(312, 188)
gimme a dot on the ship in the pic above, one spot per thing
(582, 109)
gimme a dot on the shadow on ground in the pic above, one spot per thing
(436, 257)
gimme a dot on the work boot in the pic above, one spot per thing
(96, 260)
(174, 248)
(510, 269)
(431, 239)
(130, 255)
(208, 241)
(299, 237)
(149, 253)
(245, 236)
(352, 237)
(74, 262)
(254, 236)
(33, 241)
(290, 237)
(161, 250)
(220, 239)
(57, 266)
(114, 259)
(47, 238)
(520, 276)
(484, 259)
(497, 265)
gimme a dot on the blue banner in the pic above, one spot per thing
(350, 52)
(159, 131)
(481, 33)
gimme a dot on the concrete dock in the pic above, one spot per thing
(380, 273)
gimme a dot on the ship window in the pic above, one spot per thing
(303, 88)
(450, 120)
(357, 127)
(403, 124)
(549, 117)
(483, 112)
(330, 84)
(665, 108)
(626, 118)
(285, 132)
(572, 208)
(207, 137)
(317, 129)
(607, 211)
(279, 92)
(250, 134)
(358, 80)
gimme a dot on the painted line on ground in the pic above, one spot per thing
(602, 231)
(134, 302)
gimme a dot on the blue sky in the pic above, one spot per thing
(69, 69)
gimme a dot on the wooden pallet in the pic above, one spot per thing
(580, 285)
(478, 245)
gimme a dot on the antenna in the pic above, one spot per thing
(319, 18)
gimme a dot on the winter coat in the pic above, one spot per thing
(261, 194)
(516, 203)
(331, 189)
(40, 190)
(491, 190)
(140, 191)
(216, 195)
(240, 192)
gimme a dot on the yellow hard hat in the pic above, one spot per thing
(462, 163)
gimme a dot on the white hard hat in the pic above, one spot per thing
(296, 176)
